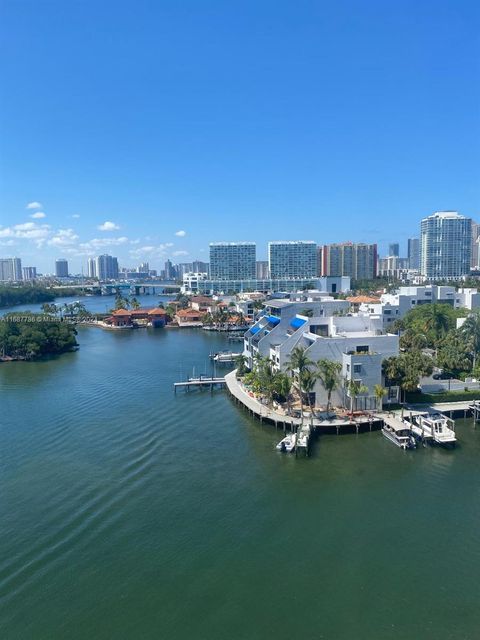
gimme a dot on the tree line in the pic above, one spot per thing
(28, 336)
(31, 294)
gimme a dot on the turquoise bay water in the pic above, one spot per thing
(129, 512)
(94, 304)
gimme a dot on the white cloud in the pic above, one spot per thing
(100, 243)
(181, 233)
(108, 226)
(63, 237)
(153, 251)
(180, 253)
(38, 215)
(34, 205)
(25, 226)
(76, 215)
(28, 231)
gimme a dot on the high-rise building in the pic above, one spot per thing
(61, 268)
(169, 270)
(91, 268)
(292, 259)
(358, 261)
(200, 267)
(29, 273)
(182, 268)
(392, 267)
(319, 260)
(262, 270)
(414, 253)
(106, 267)
(445, 245)
(474, 260)
(10, 269)
(143, 267)
(232, 260)
(394, 249)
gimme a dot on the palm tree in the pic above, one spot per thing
(355, 388)
(283, 386)
(437, 319)
(49, 308)
(328, 372)
(471, 331)
(298, 363)
(120, 302)
(241, 364)
(380, 393)
(307, 384)
(266, 378)
(135, 303)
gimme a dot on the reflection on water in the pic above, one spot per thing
(138, 513)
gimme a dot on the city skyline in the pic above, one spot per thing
(37, 246)
(354, 117)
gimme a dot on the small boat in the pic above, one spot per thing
(433, 427)
(287, 445)
(224, 356)
(400, 434)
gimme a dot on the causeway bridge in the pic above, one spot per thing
(134, 288)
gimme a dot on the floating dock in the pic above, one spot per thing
(195, 383)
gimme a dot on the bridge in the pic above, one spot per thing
(136, 288)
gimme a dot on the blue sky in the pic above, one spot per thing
(265, 120)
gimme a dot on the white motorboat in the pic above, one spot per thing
(288, 443)
(434, 427)
(225, 356)
(398, 433)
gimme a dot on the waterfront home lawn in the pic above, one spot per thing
(445, 396)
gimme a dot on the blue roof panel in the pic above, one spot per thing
(296, 323)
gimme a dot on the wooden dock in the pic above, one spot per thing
(199, 383)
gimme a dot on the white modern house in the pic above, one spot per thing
(357, 342)
(394, 306)
(191, 282)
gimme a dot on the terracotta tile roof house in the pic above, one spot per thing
(200, 303)
(363, 300)
(188, 316)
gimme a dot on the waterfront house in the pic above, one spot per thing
(137, 317)
(358, 343)
(202, 303)
(120, 318)
(188, 318)
(157, 317)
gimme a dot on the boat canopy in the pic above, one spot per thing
(296, 323)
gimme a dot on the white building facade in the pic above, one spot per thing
(358, 343)
(446, 246)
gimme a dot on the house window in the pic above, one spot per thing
(362, 348)
(348, 368)
(357, 368)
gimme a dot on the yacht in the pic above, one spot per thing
(433, 427)
(288, 443)
(399, 433)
